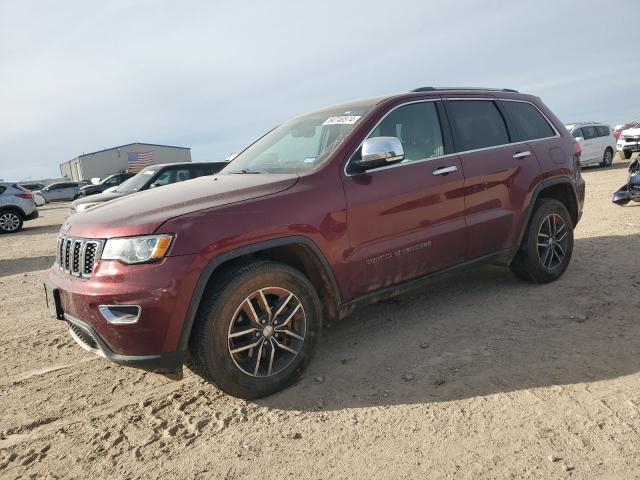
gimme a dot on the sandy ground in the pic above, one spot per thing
(477, 376)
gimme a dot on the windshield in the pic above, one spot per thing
(136, 182)
(301, 144)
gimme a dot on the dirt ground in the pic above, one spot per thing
(479, 375)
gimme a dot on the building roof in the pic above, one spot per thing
(128, 145)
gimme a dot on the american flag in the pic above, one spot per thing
(139, 160)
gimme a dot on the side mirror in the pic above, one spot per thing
(622, 196)
(579, 139)
(380, 152)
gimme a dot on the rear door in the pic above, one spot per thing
(406, 219)
(498, 174)
(590, 146)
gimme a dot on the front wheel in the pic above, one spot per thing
(547, 245)
(607, 158)
(627, 154)
(256, 329)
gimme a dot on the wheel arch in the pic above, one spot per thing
(297, 251)
(561, 189)
(13, 208)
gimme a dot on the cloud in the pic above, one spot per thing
(79, 76)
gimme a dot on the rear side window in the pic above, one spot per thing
(589, 132)
(526, 122)
(476, 124)
(603, 131)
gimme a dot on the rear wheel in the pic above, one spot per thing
(547, 245)
(10, 221)
(256, 329)
(607, 158)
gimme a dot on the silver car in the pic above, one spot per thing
(16, 206)
(61, 191)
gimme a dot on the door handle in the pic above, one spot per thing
(445, 170)
(524, 154)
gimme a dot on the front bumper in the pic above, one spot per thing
(87, 338)
(628, 147)
(163, 291)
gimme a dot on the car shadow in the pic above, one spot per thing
(482, 332)
(16, 266)
(38, 229)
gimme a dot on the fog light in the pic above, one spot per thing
(120, 314)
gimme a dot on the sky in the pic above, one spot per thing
(80, 76)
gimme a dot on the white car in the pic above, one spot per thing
(629, 142)
(596, 140)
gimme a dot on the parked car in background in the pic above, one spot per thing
(339, 207)
(61, 191)
(16, 207)
(629, 141)
(596, 141)
(617, 130)
(150, 177)
(108, 182)
(35, 188)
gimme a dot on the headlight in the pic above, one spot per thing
(137, 249)
(83, 206)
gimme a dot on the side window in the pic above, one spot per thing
(2, 189)
(476, 124)
(603, 131)
(526, 122)
(164, 178)
(418, 128)
(112, 181)
(577, 133)
(589, 132)
(183, 174)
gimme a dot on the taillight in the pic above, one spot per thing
(28, 196)
(577, 149)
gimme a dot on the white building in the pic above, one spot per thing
(119, 159)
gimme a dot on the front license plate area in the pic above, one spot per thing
(52, 299)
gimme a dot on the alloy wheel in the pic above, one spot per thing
(267, 332)
(9, 222)
(552, 241)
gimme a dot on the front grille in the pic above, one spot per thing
(78, 256)
(83, 336)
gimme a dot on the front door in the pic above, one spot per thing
(406, 220)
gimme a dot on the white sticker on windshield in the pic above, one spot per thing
(148, 172)
(342, 120)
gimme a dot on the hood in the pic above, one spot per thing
(632, 132)
(102, 197)
(143, 212)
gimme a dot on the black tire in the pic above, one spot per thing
(607, 158)
(10, 221)
(77, 196)
(220, 311)
(627, 154)
(530, 263)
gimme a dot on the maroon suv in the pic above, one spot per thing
(235, 273)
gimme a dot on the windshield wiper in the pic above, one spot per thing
(245, 170)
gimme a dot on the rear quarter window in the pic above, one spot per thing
(603, 131)
(526, 122)
(476, 124)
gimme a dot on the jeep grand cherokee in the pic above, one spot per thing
(235, 273)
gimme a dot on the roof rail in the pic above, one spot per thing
(434, 89)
